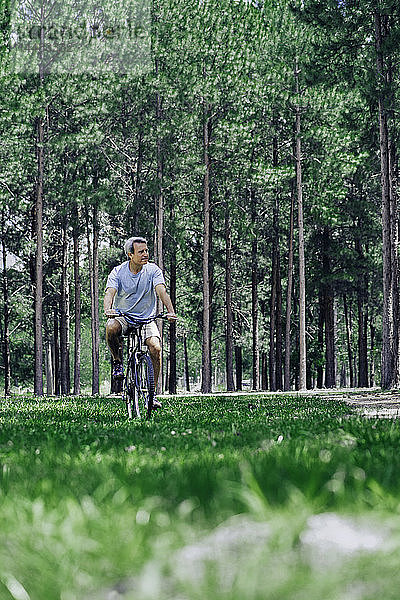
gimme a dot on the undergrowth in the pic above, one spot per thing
(90, 501)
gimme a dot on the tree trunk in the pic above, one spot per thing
(330, 366)
(278, 351)
(275, 328)
(362, 343)
(138, 177)
(230, 385)
(302, 278)
(96, 316)
(38, 369)
(272, 321)
(329, 319)
(348, 340)
(49, 370)
(159, 230)
(206, 345)
(172, 326)
(239, 368)
(186, 363)
(372, 353)
(287, 385)
(77, 307)
(94, 297)
(264, 371)
(56, 354)
(390, 328)
(167, 365)
(321, 320)
(38, 298)
(64, 314)
(6, 312)
(254, 294)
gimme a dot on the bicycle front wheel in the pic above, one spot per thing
(129, 391)
(145, 387)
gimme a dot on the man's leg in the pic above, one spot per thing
(114, 339)
(154, 345)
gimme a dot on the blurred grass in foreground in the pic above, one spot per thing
(94, 506)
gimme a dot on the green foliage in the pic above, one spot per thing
(105, 142)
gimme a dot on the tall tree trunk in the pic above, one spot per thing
(94, 296)
(77, 307)
(348, 340)
(302, 277)
(172, 326)
(272, 319)
(372, 353)
(254, 294)
(206, 345)
(186, 363)
(64, 314)
(230, 385)
(56, 353)
(278, 351)
(289, 294)
(6, 311)
(167, 365)
(362, 343)
(138, 177)
(49, 370)
(239, 368)
(362, 323)
(328, 300)
(321, 320)
(330, 356)
(275, 337)
(159, 230)
(38, 301)
(96, 316)
(264, 371)
(390, 327)
(38, 369)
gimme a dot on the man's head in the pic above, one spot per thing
(130, 244)
(136, 250)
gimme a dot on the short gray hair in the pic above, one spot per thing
(133, 240)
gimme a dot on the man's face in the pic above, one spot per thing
(140, 255)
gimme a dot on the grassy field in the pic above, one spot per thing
(269, 497)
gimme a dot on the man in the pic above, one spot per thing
(133, 287)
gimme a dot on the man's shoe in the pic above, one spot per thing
(156, 404)
(118, 370)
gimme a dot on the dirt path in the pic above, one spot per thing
(369, 402)
(373, 403)
(379, 404)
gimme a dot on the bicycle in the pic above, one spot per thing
(139, 385)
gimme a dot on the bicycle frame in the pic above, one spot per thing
(135, 342)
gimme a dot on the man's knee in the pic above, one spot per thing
(154, 346)
(113, 328)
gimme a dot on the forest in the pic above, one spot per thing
(253, 143)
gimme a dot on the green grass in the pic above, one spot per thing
(90, 502)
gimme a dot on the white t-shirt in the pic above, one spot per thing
(136, 294)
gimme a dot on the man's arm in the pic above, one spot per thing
(166, 300)
(108, 302)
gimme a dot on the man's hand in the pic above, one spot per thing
(108, 302)
(171, 317)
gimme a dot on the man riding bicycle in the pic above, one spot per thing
(132, 288)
